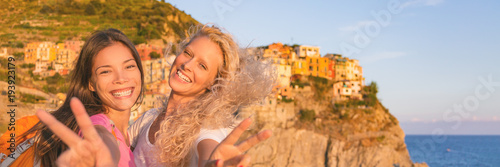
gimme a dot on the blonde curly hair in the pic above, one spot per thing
(242, 81)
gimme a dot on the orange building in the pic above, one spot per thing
(40, 51)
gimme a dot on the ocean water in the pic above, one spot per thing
(441, 150)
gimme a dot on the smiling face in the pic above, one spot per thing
(195, 69)
(116, 77)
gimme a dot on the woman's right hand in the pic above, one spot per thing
(89, 151)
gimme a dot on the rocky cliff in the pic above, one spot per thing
(336, 135)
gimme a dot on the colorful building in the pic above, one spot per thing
(344, 90)
(284, 74)
(303, 51)
(66, 57)
(75, 46)
(40, 51)
(318, 66)
(155, 71)
(300, 67)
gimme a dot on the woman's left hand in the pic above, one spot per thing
(229, 154)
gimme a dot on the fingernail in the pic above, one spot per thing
(240, 166)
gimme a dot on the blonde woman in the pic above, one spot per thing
(210, 80)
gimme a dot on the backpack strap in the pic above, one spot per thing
(7, 160)
(113, 127)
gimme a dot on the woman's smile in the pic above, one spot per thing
(123, 93)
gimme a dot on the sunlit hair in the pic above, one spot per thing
(49, 146)
(241, 81)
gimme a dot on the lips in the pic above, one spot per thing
(183, 77)
(122, 92)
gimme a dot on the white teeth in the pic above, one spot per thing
(123, 93)
(183, 77)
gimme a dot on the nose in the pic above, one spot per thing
(188, 65)
(120, 77)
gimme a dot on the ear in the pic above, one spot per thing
(91, 87)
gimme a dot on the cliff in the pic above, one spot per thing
(339, 134)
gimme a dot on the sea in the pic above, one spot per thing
(454, 150)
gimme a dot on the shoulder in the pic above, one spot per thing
(146, 118)
(100, 119)
(148, 115)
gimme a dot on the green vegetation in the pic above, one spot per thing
(298, 83)
(28, 98)
(19, 56)
(380, 138)
(56, 84)
(321, 86)
(59, 20)
(370, 94)
(286, 100)
(154, 55)
(29, 65)
(307, 115)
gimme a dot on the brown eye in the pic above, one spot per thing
(104, 72)
(130, 66)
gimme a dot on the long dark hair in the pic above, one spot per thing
(48, 146)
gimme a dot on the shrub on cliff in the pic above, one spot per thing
(307, 115)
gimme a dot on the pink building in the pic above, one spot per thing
(74, 46)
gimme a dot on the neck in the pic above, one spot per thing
(175, 100)
(120, 118)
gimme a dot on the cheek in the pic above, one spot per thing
(208, 78)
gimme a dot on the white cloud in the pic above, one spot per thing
(382, 56)
(421, 3)
(358, 25)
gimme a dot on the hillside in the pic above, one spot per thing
(58, 20)
(310, 130)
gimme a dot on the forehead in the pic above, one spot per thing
(116, 53)
(207, 50)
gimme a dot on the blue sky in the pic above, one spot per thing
(435, 61)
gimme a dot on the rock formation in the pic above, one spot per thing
(336, 136)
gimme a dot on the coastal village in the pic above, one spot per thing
(291, 62)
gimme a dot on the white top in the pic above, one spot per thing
(144, 150)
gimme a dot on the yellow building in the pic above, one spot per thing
(348, 69)
(284, 75)
(318, 66)
(40, 51)
(300, 67)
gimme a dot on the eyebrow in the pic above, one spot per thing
(126, 61)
